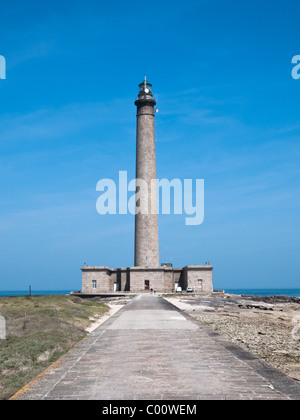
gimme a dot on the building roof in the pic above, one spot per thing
(143, 82)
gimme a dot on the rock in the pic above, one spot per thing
(44, 356)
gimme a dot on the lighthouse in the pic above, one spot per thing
(146, 227)
(146, 274)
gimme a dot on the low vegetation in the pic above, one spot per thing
(39, 330)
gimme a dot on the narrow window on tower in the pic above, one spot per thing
(94, 284)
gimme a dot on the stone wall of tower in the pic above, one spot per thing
(199, 277)
(161, 279)
(146, 226)
(97, 280)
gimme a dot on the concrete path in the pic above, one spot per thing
(150, 350)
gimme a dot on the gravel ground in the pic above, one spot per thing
(269, 327)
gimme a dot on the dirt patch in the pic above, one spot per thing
(96, 322)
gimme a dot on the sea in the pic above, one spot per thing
(254, 292)
(265, 292)
(33, 292)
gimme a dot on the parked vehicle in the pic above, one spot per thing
(189, 289)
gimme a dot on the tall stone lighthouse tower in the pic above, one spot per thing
(147, 273)
(146, 227)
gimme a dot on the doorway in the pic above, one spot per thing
(147, 284)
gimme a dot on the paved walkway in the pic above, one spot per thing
(150, 350)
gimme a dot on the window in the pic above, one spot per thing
(199, 282)
(94, 284)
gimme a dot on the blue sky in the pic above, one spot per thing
(228, 114)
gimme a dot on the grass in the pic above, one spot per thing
(39, 330)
